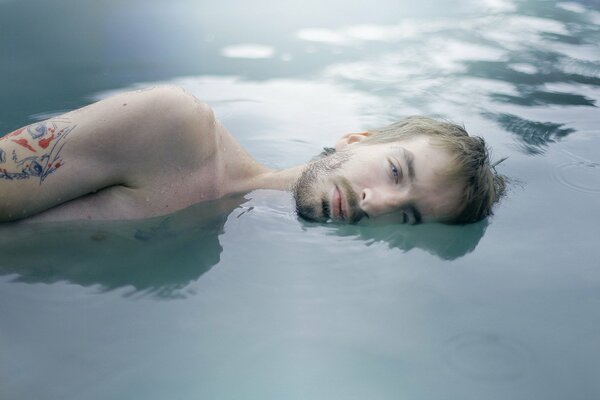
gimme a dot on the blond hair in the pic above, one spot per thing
(483, 187)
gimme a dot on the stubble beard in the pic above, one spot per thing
(311, 202)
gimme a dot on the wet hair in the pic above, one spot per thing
(471, 166)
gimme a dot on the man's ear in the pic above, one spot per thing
(350, 138)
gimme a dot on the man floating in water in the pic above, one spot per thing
(152, 152)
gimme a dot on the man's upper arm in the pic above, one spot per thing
(38, 170)
(129, 139)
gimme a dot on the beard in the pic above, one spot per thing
(312, 202)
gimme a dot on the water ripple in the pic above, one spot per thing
(580, 174)
(488, 357)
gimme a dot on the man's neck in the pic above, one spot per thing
(282, 179)
(241, 173)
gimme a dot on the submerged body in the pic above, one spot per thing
(135, 155)
(155, 151)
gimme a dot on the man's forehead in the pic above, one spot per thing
(442, 199)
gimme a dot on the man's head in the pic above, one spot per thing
(418, 169)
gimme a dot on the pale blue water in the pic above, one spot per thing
(240, 299)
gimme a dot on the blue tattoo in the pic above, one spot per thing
(38, 166)
(37, 131)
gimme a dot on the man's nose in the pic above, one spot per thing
(376, 201)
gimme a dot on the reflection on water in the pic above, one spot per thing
(248, 51)
(159, 256)
(527, 68)
(493, 65)
(447, 242)
(162, 256)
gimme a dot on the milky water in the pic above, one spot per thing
(239, 299)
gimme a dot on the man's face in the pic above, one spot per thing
(403, 181)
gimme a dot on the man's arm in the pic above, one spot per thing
(132, 139)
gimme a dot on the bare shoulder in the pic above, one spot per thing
(147, 133)
(164, 117)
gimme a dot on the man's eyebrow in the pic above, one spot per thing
(410, 163)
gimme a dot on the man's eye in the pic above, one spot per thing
(395, 172)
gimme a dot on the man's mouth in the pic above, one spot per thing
(337, 204)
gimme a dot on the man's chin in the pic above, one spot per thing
(315, 178)
(310, 213)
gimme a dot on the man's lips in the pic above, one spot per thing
(337, 204)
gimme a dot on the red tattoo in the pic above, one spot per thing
(44, 143)
(24, 143)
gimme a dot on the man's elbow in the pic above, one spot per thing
(3, 215)
(7, 212)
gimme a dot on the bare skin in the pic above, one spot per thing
(156, 151)
(402, 180)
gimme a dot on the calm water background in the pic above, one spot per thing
(239, 299)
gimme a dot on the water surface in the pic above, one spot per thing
(239, 299)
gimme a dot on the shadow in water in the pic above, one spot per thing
(158, 256)
(163, 255)
(447, 242)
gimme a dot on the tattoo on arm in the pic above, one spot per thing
(40, 146)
